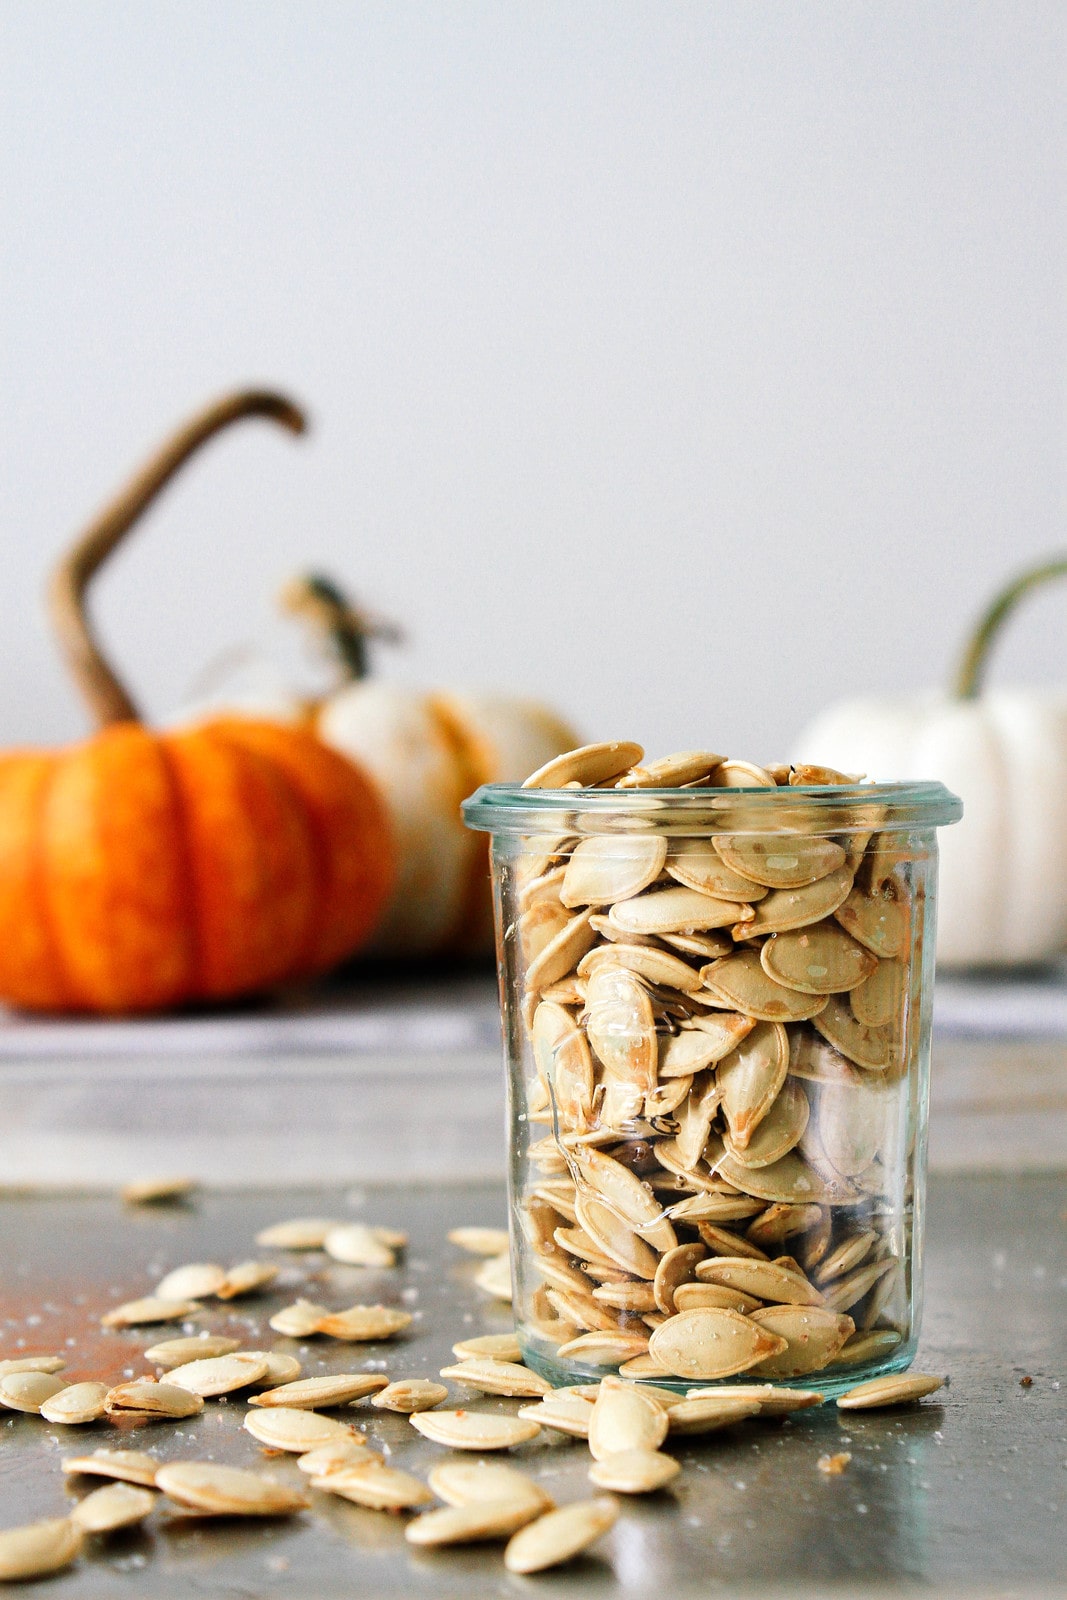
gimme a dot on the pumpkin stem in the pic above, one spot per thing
(343, 627)
(972, 664)
(107, 698)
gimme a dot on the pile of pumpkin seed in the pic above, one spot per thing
(624, 1423)
(717, 1041)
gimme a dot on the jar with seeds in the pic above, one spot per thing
(716, 981)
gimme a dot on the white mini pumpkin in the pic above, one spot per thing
(1002, 895)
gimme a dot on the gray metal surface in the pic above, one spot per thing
(964, 1494)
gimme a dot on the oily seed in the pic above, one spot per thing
(286, 1428)
(478, 1241)
(780, 1222)
(559, 1535)
(590, 764)
(153, 1308)
(38, 1548)
(127, 1466)
(878, 1001)
(499, 1377)
(301, 1233)
(777, 1133)
(604, 1348)
(217, 1375)
(309, 1394)
(751, 1078)
(879, 924)
(194, 1281)
(625, 1418)
(564, 1411)
(711, 1343)
(474, 1430)
(818, 959)
(708, 1411)
(358, 1246)
(789, 1181)
(227, 1491)
(29, 1391)
(410, 1394)
(561, 954)
(715, 1207)
(245, 1278)
(466, 1483)
(299, 1320)
(47, 1364)
(178, 1352)
(615, 1238)
(119, 1505)
(895, 1389)
(784, 909)
(625, 1193)
(360, 1324)
(157, 1191)
(333, 1457)
(485, 1519)
(871, 1048)
(81, 1402)
(634, 1471)
(696, 864)
(657, 967)
(154, 1399)
(372, 1483)
(675, 910)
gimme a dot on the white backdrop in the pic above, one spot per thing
(690, 364)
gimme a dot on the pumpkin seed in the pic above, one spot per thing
(29, 1391)
(624, 1193)
(675, 1268)
(667, 1097)
(559, 1535)
(580, 1310)
(654, 966)
(713, 1206)
(790, 1180)
(495, 1278)
(410, 1394)
(775, 1400)
(486, 1519)
(538, 926)
(604, 1348)
(299, 1320)
(672, 772)
(820, 959)
(704, 1042)
(193, 1282)
(871, 1048)
(622, 1032)
(478, 1241)
(545, 886)
(724, 1242)
(157, 1191)
(149, 1399)
(644, 1366)
(778, 1132)
(153, 1308)
(563, 1059)
(227, 1491)
(868, 1346)
(497, 1346)
(848, 1254)
(369, 1482)
(895, 1389)
(302, 1233)
(334, 1457)
(741, 775)
(766, 1280)
(878, 923)
(780, 1222)
(358, 1246)
(609, 867)
(807, 774)
(311, 1394)
(286, 1428)
(695, 1296)
(696, 1118)
(625, 1418)
(360, 1324)
(47, 1364)
(784, 909)
(176, 1352)
(634, 1471)
(280, 1368)
(676, 910)
(879, 1000)
(708, 1410)
(778, 862)
(128, 1466)
(216, 1375)
(740, 982)
(119, 1505)
(498, 1377)
(81, 1402)
(696, 864)
(844, 1294)
(589, 765)
(469, 1483)
(812, 1337)
(711, 1343)
(750, 1079)
(615, 1237)
(38, 1548)
(566, 1413)
(562, 953)
(814, 1058)
(474, 1430)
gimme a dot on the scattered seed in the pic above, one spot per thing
(157, 1191)
(499, 1377)
(38, 1548)
(196, 1281)
(309, 1394)
(331, 1457)
(411, 1394)
(363, 1324)
(299, 1320)
(586, 766)
(302, 1233)
(559, 1535)
(605, 1348)
(625, 1418)
(285, 1428)
(495, 1277)
(465, 1483)
(119, 1505)
(895, 1389)
(29, 1391)
(154, 1400)
(371, 1483)
(280, 1368)
(128, 1466)
(80, 1402)
(227, 1491)
(495, 1346)
(775, 1400)
(480, 1241)
(711, 1343)
(474, 1430)
(245, 1278)
(32, 1364)
(151, 1309)
(177, 1352)
(467, 1524)
(634, 1471)
(710, 1410)
(565, 1411)
(358, 1246)
(221, 1374)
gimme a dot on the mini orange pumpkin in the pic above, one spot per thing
(143, 870)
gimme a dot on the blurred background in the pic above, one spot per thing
(688, 366)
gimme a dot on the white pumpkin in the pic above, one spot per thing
(1002, 895)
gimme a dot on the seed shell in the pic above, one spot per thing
(602, 1347)
(496, 1346)
(195, 1281)
(38, 1548)
(229, 1491)
(301, 1233)
(80, 1402)
(560, 1535)
(711, 1343)
(610, 867)
(245, 1278)
(588, 765)
(337, 1454)
(812, 1337)
(763, 1279)
(372, 1483)
(178, 1352)
(740, 982)
(156, 1400)
(217, 1375)
(708, 1411)
(29, 1391)
(634, 1471)
(411, 1394)
(127, 1466)
(286, 1428)
(499, 1377)
(494, 1278)
(466, 1483)
(564, 1411)
(895, 1389)
(361, 1324)
(474, 1430)
(775, 1400)
(118, 1505)
(478, 1241)
(625, 1418)
(358, 1246)
(299, 1320)
(47, 1364)
(675, 910)
(335, 1389)
(157, 1191)
(153, 1308)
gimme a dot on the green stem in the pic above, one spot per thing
(971, 669)
(345, 629)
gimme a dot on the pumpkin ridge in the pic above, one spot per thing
(186, 876)
(37, 907)
(41, 876)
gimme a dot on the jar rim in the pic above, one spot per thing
(508, 808)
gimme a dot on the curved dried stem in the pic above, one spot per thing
(968, 681)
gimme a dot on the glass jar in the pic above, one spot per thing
(716, 1009)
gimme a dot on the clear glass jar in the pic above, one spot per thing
(716, 1011)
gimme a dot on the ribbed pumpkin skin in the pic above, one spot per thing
(140, 871)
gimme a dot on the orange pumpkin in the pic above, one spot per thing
(143, 870)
